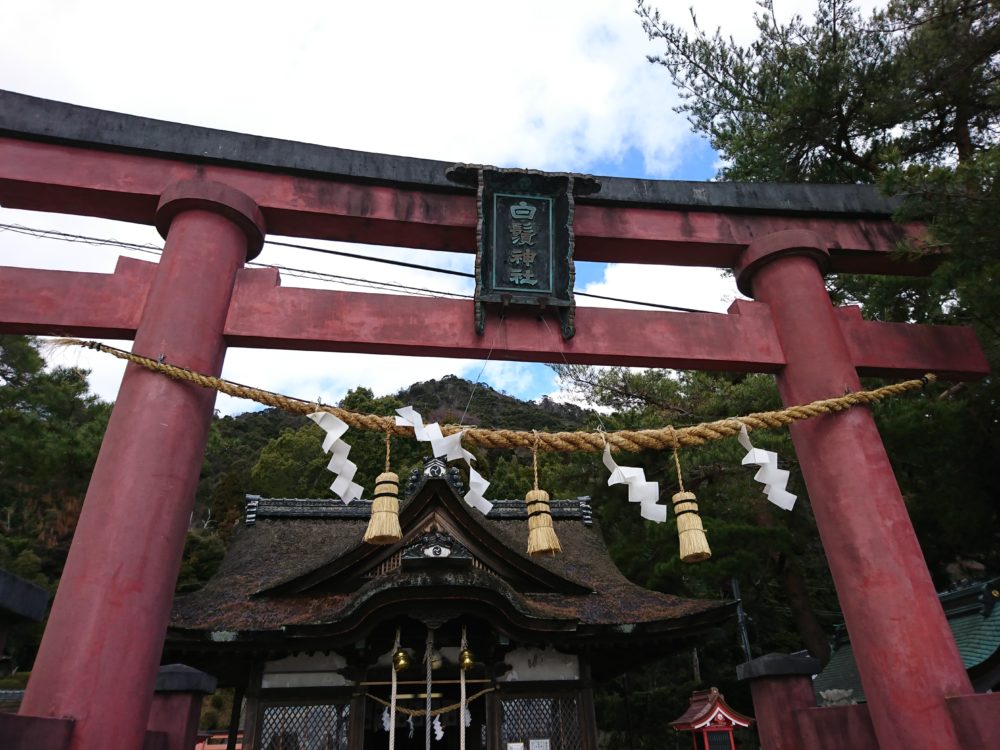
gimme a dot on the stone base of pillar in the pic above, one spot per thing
(176, 706)
(781, 685)
(786, 712)
(836, 728)
(22, 732)
(977, 718)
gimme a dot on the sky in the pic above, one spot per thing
(407, 78)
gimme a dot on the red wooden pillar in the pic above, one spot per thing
(176, 705)
(905, 652)
(101, 649)
(781, 685)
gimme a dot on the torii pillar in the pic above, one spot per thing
(98, 664)
(908, 665)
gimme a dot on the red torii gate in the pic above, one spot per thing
(214, 195)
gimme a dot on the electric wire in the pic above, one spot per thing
(390, 261)
(321, 275)
(303, 273)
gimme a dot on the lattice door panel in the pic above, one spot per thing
(314, 727)
(554, 719)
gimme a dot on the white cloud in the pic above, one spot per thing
(556, 85)
(560, 85)
(694, 288)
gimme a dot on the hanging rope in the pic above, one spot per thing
(428, 658)
(461, 694)
(392, 696)
(542, 537)
(590, 442)
(677, 460)
(534, 458)
(693, 544)
(383, 526)
(435, 712)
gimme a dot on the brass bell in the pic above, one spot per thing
(466, 660)
(401, 660)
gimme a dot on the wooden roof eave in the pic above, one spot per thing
(488, 547)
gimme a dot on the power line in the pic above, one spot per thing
(303, 273)
(465, 274)
(321, 275)
(390, 261)
(673, 308)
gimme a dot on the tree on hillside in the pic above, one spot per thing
(50, 431)
(908, 98)
(845, 97)
(776, 554)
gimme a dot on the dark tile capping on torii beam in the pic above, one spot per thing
(33, 118)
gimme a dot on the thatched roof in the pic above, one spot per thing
(300, 570)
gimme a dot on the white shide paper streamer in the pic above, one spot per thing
(343, 486)
(773, 478)
(450, 449)
(639, 490)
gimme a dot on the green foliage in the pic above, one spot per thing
(50, 432)
(216, 710)
(233, 447)
(16, 681)
(840, 98)
(203, 552)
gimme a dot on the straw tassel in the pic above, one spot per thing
(693, 542)
(383, 528)
(542, 539)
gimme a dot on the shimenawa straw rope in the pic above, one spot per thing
(590, 442)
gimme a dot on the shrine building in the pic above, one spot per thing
(302, 616)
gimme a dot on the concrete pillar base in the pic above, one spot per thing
(176, 705)
(780, 684)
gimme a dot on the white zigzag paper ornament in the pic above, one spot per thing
(773, 478)
(343, 486)
(639, 490)
(450, 449)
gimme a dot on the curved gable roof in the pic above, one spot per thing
(301, 571)
(435, 501)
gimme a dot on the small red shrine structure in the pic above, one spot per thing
(711, 721)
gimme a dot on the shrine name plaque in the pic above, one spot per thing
(524, 254)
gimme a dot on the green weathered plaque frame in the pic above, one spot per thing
(524, 237)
